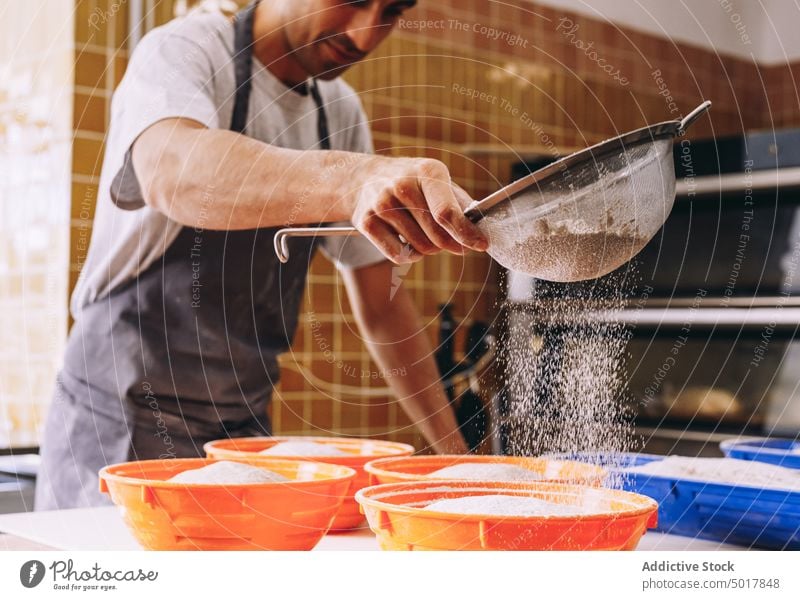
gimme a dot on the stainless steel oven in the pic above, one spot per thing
(711, 314)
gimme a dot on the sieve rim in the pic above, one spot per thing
(555, 204)
(595, 153)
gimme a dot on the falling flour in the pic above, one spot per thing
(565, 369)
(723, 470)
(565, 375)
(510, 506)
(486, 472)
(226, 473)
(303, 448)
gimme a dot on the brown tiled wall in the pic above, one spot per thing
(541, 94)
(101, 55)
(408, 91)
(783, 83)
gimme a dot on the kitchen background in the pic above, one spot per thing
(60, 61)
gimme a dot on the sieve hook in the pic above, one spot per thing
(692, 116)
(282, 235)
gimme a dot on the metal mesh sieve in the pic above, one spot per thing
(588, 220)
(578, 218)
(588, 213)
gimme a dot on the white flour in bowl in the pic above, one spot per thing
(302, 448)
(723, 470)
(227, 472)
(503, 505)
(486, 472)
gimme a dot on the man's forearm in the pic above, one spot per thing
(402, 350)
(218, 179)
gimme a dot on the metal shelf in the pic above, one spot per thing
(755, 181)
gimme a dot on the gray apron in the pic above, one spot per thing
(184, 353)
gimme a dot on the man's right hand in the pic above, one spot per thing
(221, 180)
(409, 208)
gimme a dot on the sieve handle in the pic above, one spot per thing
(282, 236)
(473, 211)
(693, 116)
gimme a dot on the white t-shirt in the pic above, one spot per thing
(185, 69)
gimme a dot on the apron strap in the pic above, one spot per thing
(322, 118)
(243, 65)
(243, 68)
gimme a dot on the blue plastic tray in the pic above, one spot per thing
(734, 514)
(785, 453)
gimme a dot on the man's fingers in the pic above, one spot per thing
(402, 221)
(462, 197)
(445, 208)
(410, 195)
(386, 239)
(414, 209)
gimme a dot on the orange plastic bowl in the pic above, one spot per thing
(359, 452)
(418, 468)
(396, 513)
(164, 515)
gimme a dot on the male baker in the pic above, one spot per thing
(220, 133)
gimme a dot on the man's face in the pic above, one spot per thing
(327, 36)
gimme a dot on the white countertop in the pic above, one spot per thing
(103, 529)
